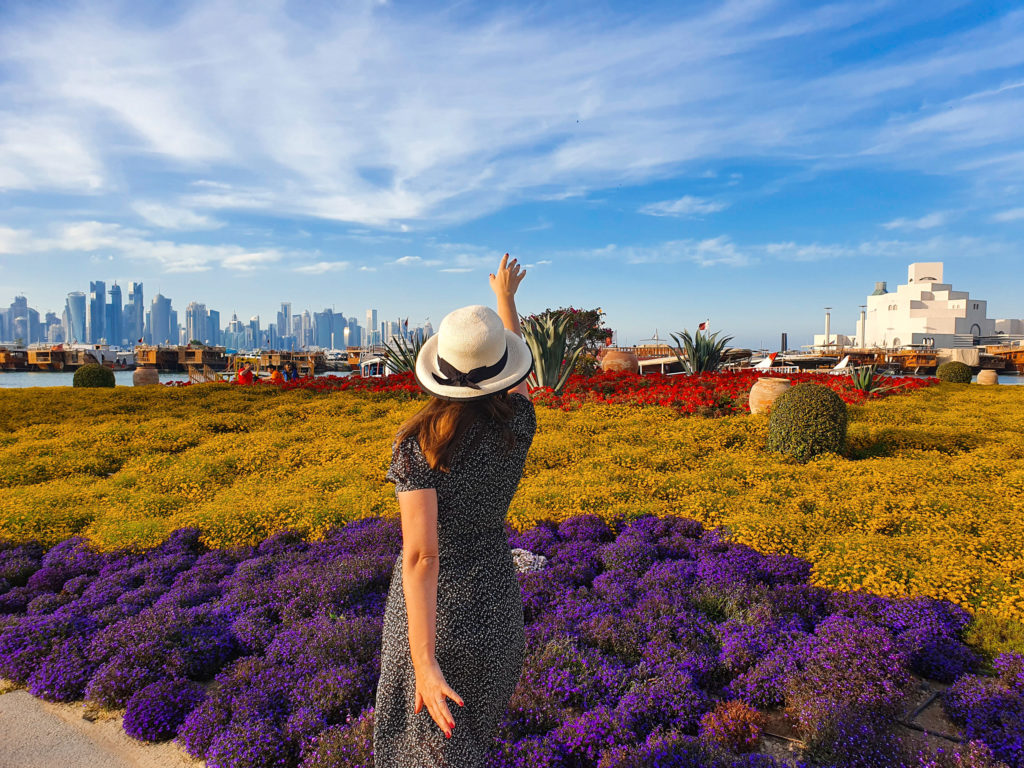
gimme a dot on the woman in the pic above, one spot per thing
(453, 627)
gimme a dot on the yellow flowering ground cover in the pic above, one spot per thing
(927, 500)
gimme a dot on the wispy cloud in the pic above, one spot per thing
(92, 237)
(171, 217)
(358, 113)
(928, 221)
(1013, 214)
(322, 267)
(685, 207)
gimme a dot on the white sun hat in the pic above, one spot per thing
(471, 356)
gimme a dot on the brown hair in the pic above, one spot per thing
(441, 425)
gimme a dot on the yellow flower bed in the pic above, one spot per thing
(928, 501)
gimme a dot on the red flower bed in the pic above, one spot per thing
(707, 394)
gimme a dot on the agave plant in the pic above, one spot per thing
(400, 355)
(703, 351)
(865, 379)
(553, 360)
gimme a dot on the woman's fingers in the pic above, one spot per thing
(419, 703)
(454, 696)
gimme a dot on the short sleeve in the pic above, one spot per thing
(409, 470)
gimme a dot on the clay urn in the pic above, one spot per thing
(988, 376)
(145, 376)
(620, 360)
(766, 391)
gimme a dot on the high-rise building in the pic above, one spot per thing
(355, 333)
(196, 322)
(75, 309)
(372, 329)
(95, 312)
(284, 319)
(213, 327)
(115, 327)
(160, 321)
(254, 332)
(323, 329)
(134, 315)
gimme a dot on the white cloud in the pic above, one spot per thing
(685, 207)
(357, 113)
(322, 267)
(171, 217)
(100, 238)
(1013, 214)
(928, 221)
(456, 270)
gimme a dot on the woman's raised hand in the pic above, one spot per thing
(433, 693)
(509, 276)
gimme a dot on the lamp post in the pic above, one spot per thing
(828, 327)
(863, 321)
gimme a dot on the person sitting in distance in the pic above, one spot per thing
(245, 375)
(275, 375)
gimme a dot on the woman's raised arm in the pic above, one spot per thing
(505, 283)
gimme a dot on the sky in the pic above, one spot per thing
(748, 161)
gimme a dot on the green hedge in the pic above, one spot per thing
(955, 373)
(94, 376)
(807, 420)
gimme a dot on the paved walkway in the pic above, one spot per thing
(37, 734)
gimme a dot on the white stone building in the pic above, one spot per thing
(924, 311)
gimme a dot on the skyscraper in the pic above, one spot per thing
(254, 331)
(115, 326)
(134, 323)
(160, 321)
(196, 322)
(213, 327)
(75, 308)
(95, 312)
(372, 329)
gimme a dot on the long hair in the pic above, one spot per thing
(441, 425)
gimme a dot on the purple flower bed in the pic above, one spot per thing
(650, 644)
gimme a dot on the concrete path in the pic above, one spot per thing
(37, 734)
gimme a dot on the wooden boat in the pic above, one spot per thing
(13, 359)
(48, 358)
(1013, 357)
(203, 357)
(913, 361)
(161, 358)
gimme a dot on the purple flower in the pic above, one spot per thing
(155, 712)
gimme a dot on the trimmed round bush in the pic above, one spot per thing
(955, 373)
(93, 376)
(155, 712)
(807, 420)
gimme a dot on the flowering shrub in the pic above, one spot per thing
(637, 631)
(155, 712)
(732, 725)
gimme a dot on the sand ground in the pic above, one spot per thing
(38, 734)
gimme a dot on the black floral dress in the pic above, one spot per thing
(479, 642)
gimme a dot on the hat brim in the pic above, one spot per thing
(517, 367)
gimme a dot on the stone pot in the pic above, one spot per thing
(620, 360)
(988, 376)
(145, 376)
(766, 391)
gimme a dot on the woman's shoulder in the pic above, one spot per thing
(524, 415)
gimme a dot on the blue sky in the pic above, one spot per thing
(748, 161)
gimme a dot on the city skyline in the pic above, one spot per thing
(87, 320)
(748, 162)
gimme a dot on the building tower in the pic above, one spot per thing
(95, 312)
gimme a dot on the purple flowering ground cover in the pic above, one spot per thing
(650, 643)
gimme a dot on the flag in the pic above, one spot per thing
(405, 323)
(703, 326)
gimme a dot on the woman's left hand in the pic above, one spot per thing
(432, 691)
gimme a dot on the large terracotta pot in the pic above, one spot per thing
(145, 376)
(620, 360)
(766, 391)
(988, 376)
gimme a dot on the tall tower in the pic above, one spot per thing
(115, 324)
(135, 315)
(372, 329)
(75, 304)
(160, 321)
(95, 312)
